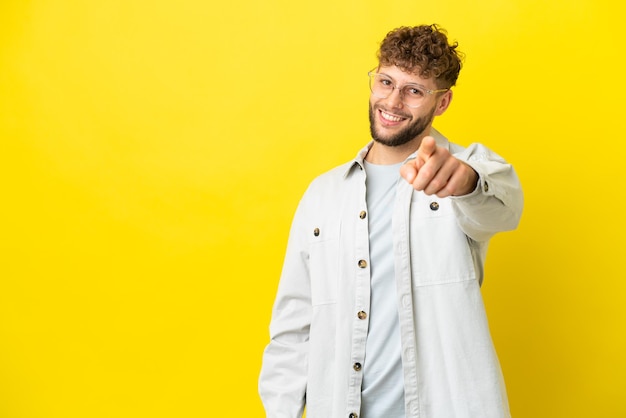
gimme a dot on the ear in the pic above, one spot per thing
(443, 103)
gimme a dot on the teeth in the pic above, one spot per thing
(389, 117)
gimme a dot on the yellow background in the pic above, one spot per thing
(152, 154)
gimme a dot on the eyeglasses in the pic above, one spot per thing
(411, 94)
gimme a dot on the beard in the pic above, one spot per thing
(406, 135)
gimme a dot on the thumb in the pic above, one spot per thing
(409, 171)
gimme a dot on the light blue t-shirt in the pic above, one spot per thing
(382, 389)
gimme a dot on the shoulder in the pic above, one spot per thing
(332, 179)
(473, 152)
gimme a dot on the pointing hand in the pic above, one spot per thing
(435, 171)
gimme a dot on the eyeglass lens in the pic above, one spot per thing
(382, 86)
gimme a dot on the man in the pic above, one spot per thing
(378, 312)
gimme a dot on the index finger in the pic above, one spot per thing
(428, 146)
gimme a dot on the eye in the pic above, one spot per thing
(414, 91)
(385, 81)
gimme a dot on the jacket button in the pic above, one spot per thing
(363, 214)
(362, 264)
(434, 206)
(361, 315)
(486, 187)
(316, 232)
(356, 366)
(353, 415)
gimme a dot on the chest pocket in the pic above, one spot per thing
(324, 253)
(440, 250)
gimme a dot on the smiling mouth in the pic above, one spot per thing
(388, 117)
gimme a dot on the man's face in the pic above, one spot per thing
(392, 123)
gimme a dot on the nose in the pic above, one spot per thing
(394, 100)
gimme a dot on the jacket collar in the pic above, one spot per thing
(357, 162)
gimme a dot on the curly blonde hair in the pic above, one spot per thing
(422, 50)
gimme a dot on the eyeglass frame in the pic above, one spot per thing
(372, 74)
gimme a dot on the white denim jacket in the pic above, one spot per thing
(320, 317)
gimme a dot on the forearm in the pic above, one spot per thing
(282, 383)
(283, 378)
(496, 203)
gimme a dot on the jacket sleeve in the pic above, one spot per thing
(283, 378)
(497, 202)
